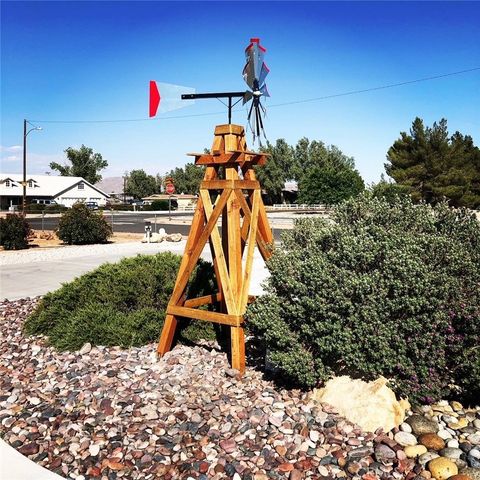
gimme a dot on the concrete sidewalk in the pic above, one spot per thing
(46, 271)
(14, 466)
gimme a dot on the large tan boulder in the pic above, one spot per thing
(370, 405)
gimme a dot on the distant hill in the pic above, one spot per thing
(111, 185)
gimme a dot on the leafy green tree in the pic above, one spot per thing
(276, 171)
(308, 155)
(139, 184)
(433, 165)
(387, 190)
(329, 185)
(84, 163)
(303, 163)
(187, 179)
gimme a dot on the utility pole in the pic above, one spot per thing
(24, 183)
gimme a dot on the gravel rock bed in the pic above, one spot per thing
(107, 413)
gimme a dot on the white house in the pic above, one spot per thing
(64, 190)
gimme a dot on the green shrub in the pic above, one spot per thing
(157, 205)
(39, 208)
(55, 208)
(390, 288)
(121, 207)
(82, 226)
(119, 304)
(14, 232)
(35, 208)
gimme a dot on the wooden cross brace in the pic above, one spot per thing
(230, 176)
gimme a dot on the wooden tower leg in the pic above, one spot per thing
(168, 332)
(237, 336)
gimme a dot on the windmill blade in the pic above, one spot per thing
(254, 54)
(264, 91)
(247, 97)
(263, 74)
(249, 74)
(165, 97)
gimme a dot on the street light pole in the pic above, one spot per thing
(24, 183)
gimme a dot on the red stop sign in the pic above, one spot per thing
(170, 188)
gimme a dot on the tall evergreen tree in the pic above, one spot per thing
(434, 166)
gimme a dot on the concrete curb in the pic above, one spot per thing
(14, 466)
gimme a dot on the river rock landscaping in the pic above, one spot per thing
(107, 413)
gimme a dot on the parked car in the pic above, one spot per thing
(92, 205)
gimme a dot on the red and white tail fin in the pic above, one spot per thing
(154, 98)
(165, 97)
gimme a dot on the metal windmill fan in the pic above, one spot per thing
(254, 73)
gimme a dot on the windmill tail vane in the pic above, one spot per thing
(165, 97)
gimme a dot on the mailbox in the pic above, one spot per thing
(148, 230)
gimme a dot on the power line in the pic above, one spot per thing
(294, 102)
(372, 89)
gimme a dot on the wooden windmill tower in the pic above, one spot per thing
(229, 173)
(230, 180)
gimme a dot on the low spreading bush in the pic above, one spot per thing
(38, 208)
(121, 207)
(14, 232)
(119, 304)
(82, 226)
(389, 288)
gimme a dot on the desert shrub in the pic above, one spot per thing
(121, 207)
(14, 232)
(55, 208)
(35, 208)
(82, 226)
(118, 304)
(388, 288)
(38, 208)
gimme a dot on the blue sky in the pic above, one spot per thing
(93, 61)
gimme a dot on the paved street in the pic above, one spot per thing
(134, 222)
